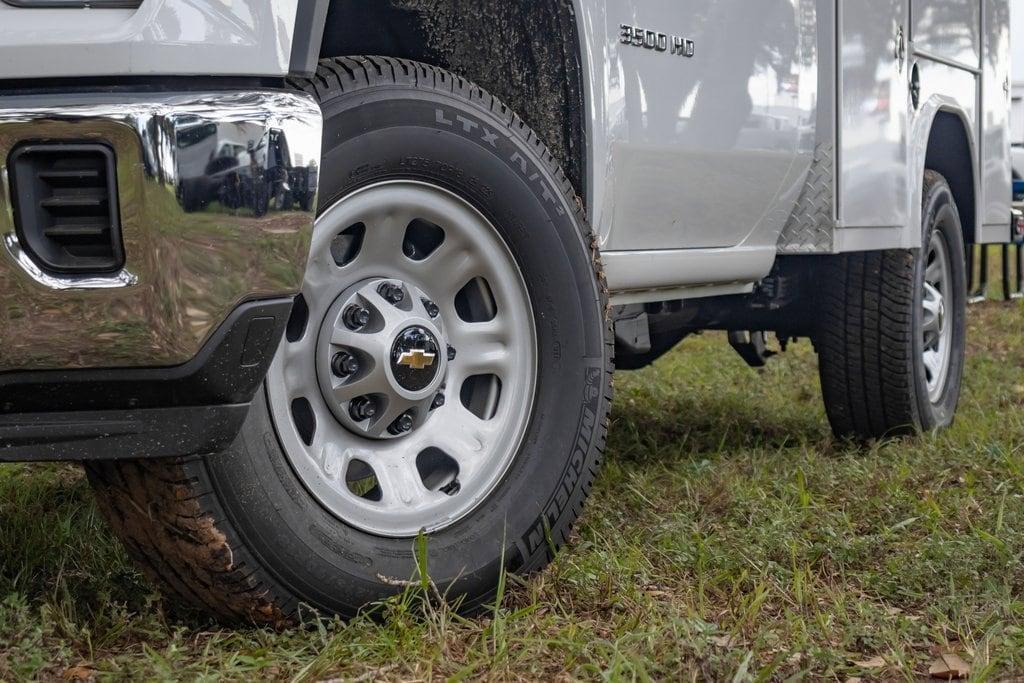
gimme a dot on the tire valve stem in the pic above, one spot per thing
(356, 317)
(402, 424)
(362, 408)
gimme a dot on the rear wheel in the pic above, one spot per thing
(446, 371)
(891, 337)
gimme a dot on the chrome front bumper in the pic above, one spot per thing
(217, 195)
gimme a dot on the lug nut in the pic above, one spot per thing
(432, 310)
(362, 408)
(344, 364)
(438, 402)
(402, 424)
(451, 353)
(392, 293)
(356, 317)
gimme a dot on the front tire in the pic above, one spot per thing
(891, 336)
(319, 501)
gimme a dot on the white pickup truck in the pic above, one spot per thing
(301, 281)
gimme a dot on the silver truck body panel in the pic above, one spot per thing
(950, 29)
(950, 90)
(995, 130)
(192, 170)
(874, 102)
(690, 194)
(173, 37)
(672, 135)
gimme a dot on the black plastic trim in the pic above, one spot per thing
(215, 376)
(310, 20)
(31, 228)
(74, 4)
(119, 435)
(135, 85)
(190, 409)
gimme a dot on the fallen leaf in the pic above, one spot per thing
(725, 641)
(949, 667)
(854, 679)
(939, 650)
(79, 672)
(873, 663)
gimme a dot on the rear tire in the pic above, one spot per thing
(257, 531)
(891, 333)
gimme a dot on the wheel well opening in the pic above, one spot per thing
(495, 44)
(949, 153)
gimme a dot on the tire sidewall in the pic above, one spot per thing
(395, 132)
(940, 215)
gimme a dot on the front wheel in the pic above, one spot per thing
(446, 372)
(891, 334)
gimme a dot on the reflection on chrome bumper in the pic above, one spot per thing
(217, 196)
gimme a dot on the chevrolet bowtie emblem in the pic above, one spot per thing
(417, 359)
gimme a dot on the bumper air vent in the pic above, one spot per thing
(65, 206)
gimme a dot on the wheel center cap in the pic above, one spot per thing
(414, 358)
(382, 358)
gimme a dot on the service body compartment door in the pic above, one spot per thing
(950, 29)
(874, 104)
(996, 176)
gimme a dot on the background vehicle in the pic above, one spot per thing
(282, 407)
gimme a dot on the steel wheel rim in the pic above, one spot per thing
(937, 328)
(455, 454)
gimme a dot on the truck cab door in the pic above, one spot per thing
(702, 109)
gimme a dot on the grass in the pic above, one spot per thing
(728, 538)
